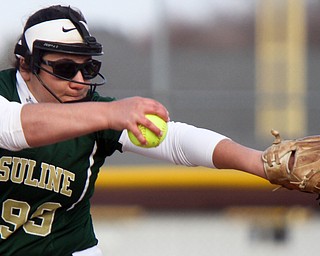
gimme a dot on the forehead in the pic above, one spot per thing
(64, 56)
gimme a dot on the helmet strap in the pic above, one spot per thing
(47, 88)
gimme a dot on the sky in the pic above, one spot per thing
(130, 17)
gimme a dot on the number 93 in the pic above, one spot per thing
(15, 214)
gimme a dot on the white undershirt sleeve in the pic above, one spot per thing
(184, 145)
(11, 133)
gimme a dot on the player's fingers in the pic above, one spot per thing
(137, 133)
(154, 107)
(151, 126)
(161, 112)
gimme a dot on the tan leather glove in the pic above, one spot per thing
(304, 173)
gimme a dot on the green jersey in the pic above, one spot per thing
(45, 191)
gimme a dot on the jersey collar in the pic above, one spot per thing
(25, 95)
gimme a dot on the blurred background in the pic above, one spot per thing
(238, 67)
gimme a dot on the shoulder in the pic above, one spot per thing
(8, 75)
(98, 97)
(7, 83)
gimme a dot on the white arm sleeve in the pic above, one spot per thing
(11, 133)
(184, 145)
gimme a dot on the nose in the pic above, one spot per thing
(77, 78)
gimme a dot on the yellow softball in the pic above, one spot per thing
(152, 139)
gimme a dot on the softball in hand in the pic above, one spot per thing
(152, 139)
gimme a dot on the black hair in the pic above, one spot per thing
(52, 13)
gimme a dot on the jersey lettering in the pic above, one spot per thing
(21, 171)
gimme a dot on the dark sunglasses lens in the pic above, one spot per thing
(66, 69)
(91, 69)
(69, 69)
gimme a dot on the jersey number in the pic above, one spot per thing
(15, 214)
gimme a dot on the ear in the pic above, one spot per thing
(24, 70)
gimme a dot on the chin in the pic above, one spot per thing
(75, 99)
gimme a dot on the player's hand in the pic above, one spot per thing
(128, 113)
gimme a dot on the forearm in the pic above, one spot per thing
(192, 146)
(45, 124)
(231, 155)
(184, 145)
(11, 133)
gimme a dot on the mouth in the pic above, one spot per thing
(85, 99)
(74, 97)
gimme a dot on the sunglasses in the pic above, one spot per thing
(68, 68)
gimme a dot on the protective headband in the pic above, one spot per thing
(60, 31)
(59, 35)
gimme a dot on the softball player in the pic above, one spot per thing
(50, 153)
